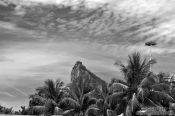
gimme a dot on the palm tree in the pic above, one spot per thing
(140, 89)
(78, 100)
(48, 97)
(106, 99)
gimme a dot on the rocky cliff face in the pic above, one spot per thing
(80, 71)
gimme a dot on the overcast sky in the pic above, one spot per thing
(41, 41)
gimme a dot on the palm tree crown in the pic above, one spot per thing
(140, 89)
(78, 101)
(47, 97)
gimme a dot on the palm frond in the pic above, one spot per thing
(60, 95)
(149, 103)
(147, 82)
(87, 101)
(121, 107)
(73, 92)
(48, 89)
(115, 99)
(59, 83)
(92, 110)
(161, 87)
(116, 96)
(101, 104)
(50, 85)
(125, 71)
(69, 103)
(58, 111)
(116, 87)
(35, 97)
(160, 97)
(115, 80)
(122, 82)
(96, 93)
(70, 112)
(42, 91)
(111, 113)
(142, 93)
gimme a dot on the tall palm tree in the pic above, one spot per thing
(48, 97)
(78, 100)
(106, 99)
(140, 89)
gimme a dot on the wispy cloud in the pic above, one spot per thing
(121, 21)
(20, 91)
(6, 94)
(4, 59)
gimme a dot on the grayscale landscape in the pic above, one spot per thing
(87, 57)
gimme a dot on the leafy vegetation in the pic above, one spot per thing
(141, 92)
(4, 110)
(46, 99)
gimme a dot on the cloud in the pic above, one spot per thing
(20, 91)
(146, 50)
(6, 94)
(121, 21)
(4, 59)
(88, 3)
(23, 61)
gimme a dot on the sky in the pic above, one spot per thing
(41, 39)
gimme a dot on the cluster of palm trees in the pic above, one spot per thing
(139, 92)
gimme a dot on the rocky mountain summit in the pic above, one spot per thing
(80, 71)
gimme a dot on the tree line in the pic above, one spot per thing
(141, 92)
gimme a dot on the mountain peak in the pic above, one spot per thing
(80, 71)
